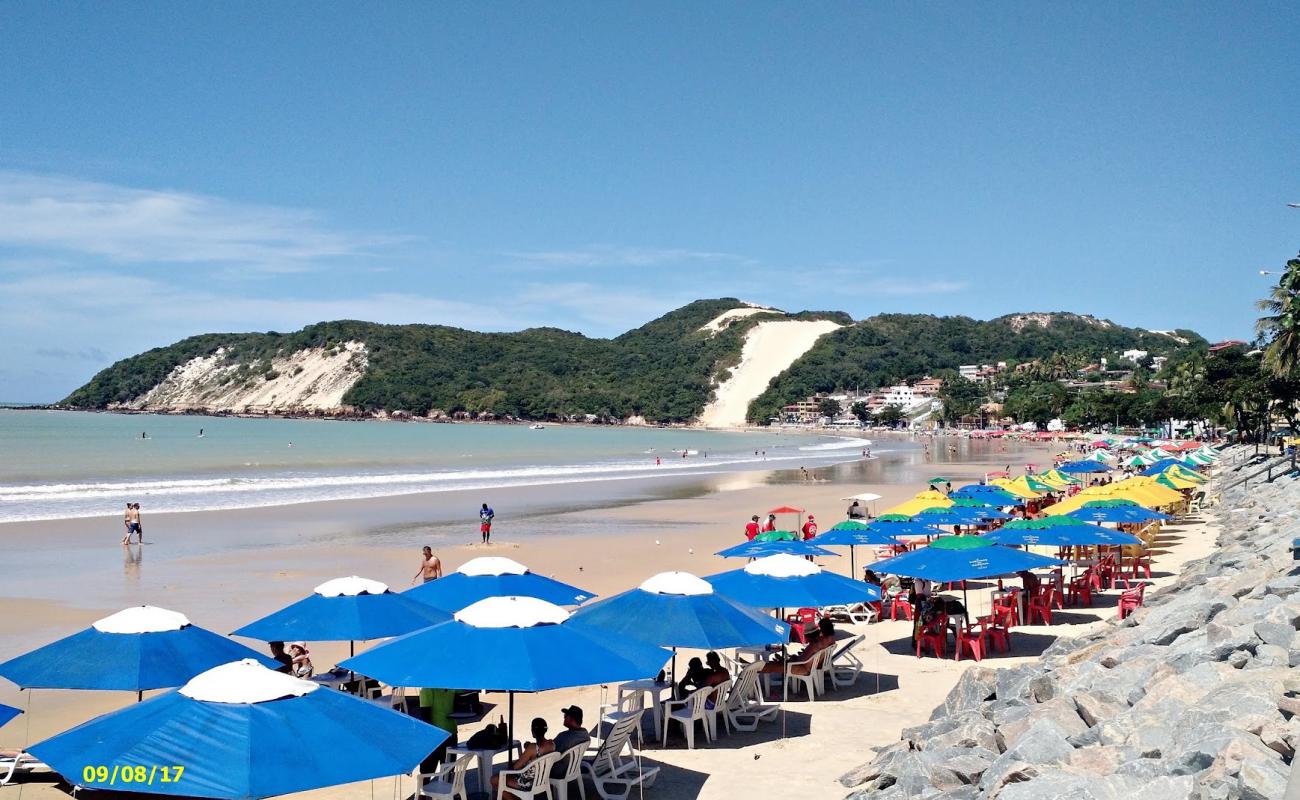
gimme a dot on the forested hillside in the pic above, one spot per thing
(664, 370)
(888, 348)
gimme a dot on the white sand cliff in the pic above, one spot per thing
(307, 380)
(770, 348)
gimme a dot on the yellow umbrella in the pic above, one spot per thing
(1179, 481)
(1145, 491)
(1077, 501)
(923, 500)
(1056, 479)
(1189, 474)
(1018, 486)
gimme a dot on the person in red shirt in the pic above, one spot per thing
(771, 523)
(809, 528)
(751, 528)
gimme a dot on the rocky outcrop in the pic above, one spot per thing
(1193, 696)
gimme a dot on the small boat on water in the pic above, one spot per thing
(537, 426)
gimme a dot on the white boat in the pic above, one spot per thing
(537, 426)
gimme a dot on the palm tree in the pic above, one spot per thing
(1280, 325)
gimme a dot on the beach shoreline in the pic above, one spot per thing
(225, 568)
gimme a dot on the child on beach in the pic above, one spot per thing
(485, 516)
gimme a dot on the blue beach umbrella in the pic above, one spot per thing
(345, 610)
(1084, 466)
(492, 576)
(785, 581)
(852, 533)
(1125, 514)
(940, 516)
(139, 648)
(677, 609)
(993, 495)
(238, 732)
(959, 558)
(510, 644)
(1032, 533)
(8, 712)
(760, 549)
(904, 528)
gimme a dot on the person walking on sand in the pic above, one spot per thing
(128, 523)
(485, 517)
(430, 567)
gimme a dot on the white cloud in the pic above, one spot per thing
(898, 286)
(144, 226)
(604, 255)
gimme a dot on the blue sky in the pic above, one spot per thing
(170, 169)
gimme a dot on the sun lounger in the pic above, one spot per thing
(845, 666)
(744, 707)
(613, 772)
(856, 613)
(17, 766)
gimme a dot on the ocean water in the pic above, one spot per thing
(56, 465)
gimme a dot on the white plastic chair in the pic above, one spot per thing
(613, 772)
(720, 693)
(814, 683)
(571, 761)
(537, 773)
(686, 713)
(448, 783)
(744, 707)
(844, 666)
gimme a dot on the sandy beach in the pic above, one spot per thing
(240, 565)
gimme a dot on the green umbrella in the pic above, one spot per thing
(893, 518)
(959, 543)
(940, 479)
(851, 525)
(776, 536)
(1115, 503)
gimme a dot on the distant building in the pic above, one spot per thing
(928, 387)
(1134, 355)
(1226, 344)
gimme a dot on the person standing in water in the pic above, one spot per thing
(485, 517)
(430, 567)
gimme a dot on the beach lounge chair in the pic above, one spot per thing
(448, 783)
(686, 713)
(536, 775)
(632, 704)
(744, 707)
(856, 613)
(844, 666)
(15, 766)
(571, 763)
(613, 772)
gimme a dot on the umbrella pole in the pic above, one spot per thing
(510, 734)
(853, 567)
(785, 684)
(139, 695)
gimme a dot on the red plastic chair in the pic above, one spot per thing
(1006, 610)
(1041, 605)
(898, 605)
(1131, 600)
(1142, 564)
(995, 634)
(935, 634)
(970, 638)
(802, 622)
(1080, 589)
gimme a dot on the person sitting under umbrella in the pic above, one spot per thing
(302, 666)
(532, 751)
(802, 663)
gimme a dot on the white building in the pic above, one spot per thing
(1134, 355)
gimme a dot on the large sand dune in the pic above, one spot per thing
(308, 380)
(770, 348)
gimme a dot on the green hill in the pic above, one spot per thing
(664, 370)
(887, 348)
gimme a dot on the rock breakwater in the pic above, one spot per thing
(1195, 695)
